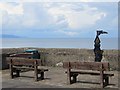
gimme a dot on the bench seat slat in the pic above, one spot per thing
(30, 68)
(18, 67)
(90, 73)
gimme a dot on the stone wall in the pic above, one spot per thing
(53, 56)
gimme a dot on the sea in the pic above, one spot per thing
(81, 43)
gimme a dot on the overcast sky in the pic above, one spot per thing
(59, 19)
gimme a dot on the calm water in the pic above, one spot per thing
(111, 43)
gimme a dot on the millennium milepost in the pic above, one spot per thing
(97, 51)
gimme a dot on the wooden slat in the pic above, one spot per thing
(90, 73)
(86, 65)
(30, 68)
(22, 67)
(23, 61)
(25, 55)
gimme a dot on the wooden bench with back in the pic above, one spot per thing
(92, 68)
(16, 65)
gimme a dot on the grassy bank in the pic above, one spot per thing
(52, 56)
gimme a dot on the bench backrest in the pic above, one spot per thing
(87, 65)
(23, 61)
(22, 55)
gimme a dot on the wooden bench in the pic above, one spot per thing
(92, 68)
(17, 65)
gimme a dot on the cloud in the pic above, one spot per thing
(12, 9)
(34, 16)
(59, 0)
(77, 16)
(68, 33)
(66, 18)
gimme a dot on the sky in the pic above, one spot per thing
(59, 19)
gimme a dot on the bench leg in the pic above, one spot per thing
(75, 78)
(42, 75)
(68, 78)
(11, 69)
(36, 75)
(106, 78)
(11, 73)
(18, 73)
(101, 80)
